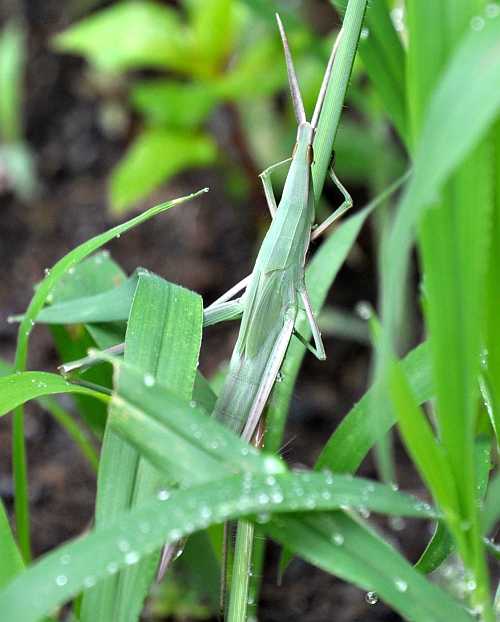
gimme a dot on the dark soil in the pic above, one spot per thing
(206, 247)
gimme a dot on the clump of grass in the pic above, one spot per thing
(168, 471)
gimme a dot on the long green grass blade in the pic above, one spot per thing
(364, 425)
(162, 341)
(17, 389)
(43, 291)
(12, 562)
(93, 558)
(340, 545)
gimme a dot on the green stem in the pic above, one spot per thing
(335, 94)
(238, 600)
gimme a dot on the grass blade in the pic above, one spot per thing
(43, 291)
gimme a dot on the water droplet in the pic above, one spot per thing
(273, 465)
(65, 559)
(397, 16)
(394, 486)
(364, 310)
(193, 403)
(163, 495)
(174, 535)
(244, 451)
(365, 33)
(144, 527)
(401, 585)
(46, 271)
(326, 495)
(123, 545)
(71, 270)
(270, 480)
(470, 585)
(477, 23)
(364, 512)
(262, 499)
(338, 539)
(277, 497)
(310, 503)
(279, 377)
(492, 10)
(205, 512)
(132, 558)
(397, 523)
(61, 580)
(118, 235)
(263, 518)
(112, 567)
(371, 598)
(149, 380)
(89, 582)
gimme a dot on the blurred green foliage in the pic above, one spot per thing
(185, 63)
(16, 162)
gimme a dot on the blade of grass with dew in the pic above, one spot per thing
(360, 429)
(383, 56)
(77, 435)
(163, 341)
(37, 302)
(90, 559)
(453, 243)
(460, 124)
(94, 275)
(441, 544)
(109, 306)
(17, 389)
(341, 545)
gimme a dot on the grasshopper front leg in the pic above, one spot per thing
(265, 177)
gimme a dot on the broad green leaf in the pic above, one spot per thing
(163, 341)
(12, 562)
(364, 425)
(262, 58)
(212, 22)
(82, 563)
(18, 388)
(342, 546)
(183, 105)
(155, 156)
(12, 58)
(43, 291)
(129, 35)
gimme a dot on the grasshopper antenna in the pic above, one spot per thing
(298, 106)
(324, 84)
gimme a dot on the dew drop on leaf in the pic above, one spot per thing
(371, 598)
(61, 580)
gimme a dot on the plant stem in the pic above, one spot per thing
(335, 94)
(238, 600)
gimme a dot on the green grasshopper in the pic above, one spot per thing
(276, 290)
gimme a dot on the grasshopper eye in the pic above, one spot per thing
(310, 154)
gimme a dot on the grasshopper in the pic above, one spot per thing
(276, 289)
